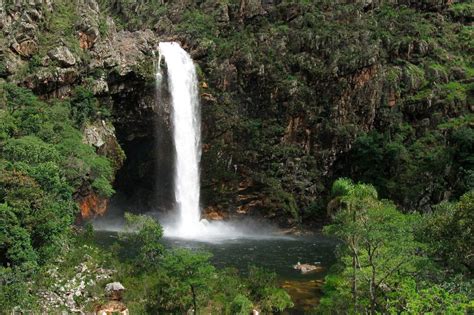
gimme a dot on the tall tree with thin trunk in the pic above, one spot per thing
(189, 273)
(378, 243)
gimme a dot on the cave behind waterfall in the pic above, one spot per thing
(145, 181)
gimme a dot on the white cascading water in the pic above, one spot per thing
(183, 87)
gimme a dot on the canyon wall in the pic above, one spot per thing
(288, 88)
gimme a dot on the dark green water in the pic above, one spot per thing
(275, 254)
(278, 255)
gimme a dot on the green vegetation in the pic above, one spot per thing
(177, 280)
(84, 107)
(389, 261)
(301, 60)
(130, 14)
(401, 164)
(462, 10)
(158, 280)
(449, 231)
(43, 162)
(3, 69)
(296, 97)
(196, 23)
(455, 91)
(60, 25)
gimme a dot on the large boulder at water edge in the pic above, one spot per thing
(306, 268)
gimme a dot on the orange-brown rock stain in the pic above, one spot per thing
(214, 213)
(93, 205)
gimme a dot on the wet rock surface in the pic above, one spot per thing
(306, 268)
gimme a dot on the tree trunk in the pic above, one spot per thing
(354, 283)
(372, 287)
(194, 300)
(354, 266)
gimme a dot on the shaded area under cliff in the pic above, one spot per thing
(145, 182)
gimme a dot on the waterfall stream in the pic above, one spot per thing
(183, 88)
(186, 120)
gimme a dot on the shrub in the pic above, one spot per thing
(30, 149)
(241, 305)
(43, 161)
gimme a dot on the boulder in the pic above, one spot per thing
(100, 87)
(26, 48)
(47, 80)
(125, 51)
(63, 56)
(88, 24)
(112, 307)
(114, 291)
(213, 213)
(88, 37)
(91, 205)
(12, 62)
(306, 268)
(102, 137)
(71, 293)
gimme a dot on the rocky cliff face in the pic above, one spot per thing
(290, 87)
(287, 87)
(53, 47)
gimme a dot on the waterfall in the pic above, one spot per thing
(183, 87)
(181, 78)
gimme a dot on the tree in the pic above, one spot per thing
(431, 299)
(143, 233)
(264, 290)
(378, 243)
(241, 305)
(188, 276)
(15, 290)
(351, 201)
(84, 106)
(178, 280)
(226, 287)
(30, 149)
(449, 231)
(42, 162)
(16, 248)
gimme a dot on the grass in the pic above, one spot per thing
(455, 91)
(59, 26)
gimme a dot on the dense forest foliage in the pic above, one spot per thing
(391, 262)
(358, 115)
(43, 162)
